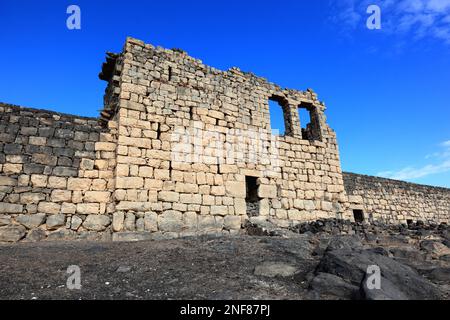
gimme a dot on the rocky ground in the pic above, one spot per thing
(320, 260)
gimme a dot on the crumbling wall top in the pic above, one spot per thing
(234, 73)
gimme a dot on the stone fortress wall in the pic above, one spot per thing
(56, 174)
(394, 201)
(180, 148)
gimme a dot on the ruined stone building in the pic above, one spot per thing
(181, 148)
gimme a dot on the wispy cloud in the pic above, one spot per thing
(442, 165)
(418, 19)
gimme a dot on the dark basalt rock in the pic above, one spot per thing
(398, 281)
(330, 284)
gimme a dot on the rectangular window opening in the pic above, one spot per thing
(278, 118)
(305, 118)
(309, 122)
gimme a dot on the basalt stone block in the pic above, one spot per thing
(64, 134)
(12, 149)
(36, 235)
(63, 234)
(65, 172)
(33, 168)
(28, 131)
(76, 222)
(10, 208)
(7, 138)
(65, 152)
(56, 143)
(55, 221)
(7, 181)
(31, 221)
(4, 220)
(42, 158)
(46, 132)
(65, 162)
(96, 222)
(12, 233)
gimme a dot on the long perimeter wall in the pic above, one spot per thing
(394, 201)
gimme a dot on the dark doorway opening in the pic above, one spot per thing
(358, 215)
(251, 196)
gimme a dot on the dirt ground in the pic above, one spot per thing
(202, 268)
(319, 260)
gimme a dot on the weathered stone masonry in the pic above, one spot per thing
(56, 174)
(181, 148)
(395, 201)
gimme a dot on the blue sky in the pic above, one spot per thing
(387, 91)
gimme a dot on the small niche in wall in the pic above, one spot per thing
(358, 215)
(158, 132)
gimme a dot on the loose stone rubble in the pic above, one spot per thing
(184, 149)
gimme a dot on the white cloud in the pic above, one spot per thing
(416, 18)
(346, 12)
(410, 173)
(437, 5)
(351, 17)
(412, 6)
